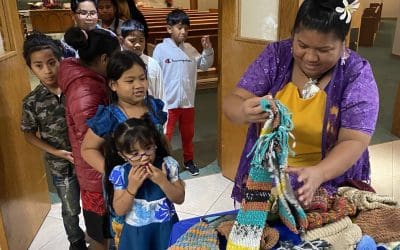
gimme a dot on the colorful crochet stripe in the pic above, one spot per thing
(201, 236)
(267, 169)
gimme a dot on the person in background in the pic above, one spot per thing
(83, 81)
(144, 186)
(129, 10)
(179, 62)
(44, 126)
(109, 16)
(330, 91)
(133, 38)
(85, 17)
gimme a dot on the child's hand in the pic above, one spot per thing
(157, 175)
(66, 155)
(136, 177)
(205, 42)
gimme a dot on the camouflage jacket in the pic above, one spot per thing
(44, 111)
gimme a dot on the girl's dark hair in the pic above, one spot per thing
(91, 44)
(116, 17)
(320, 15)
(128, 133)
(178, 16)
(129, 26)
(137, 15)
(39, 41)
(120, 62)
(75, 4)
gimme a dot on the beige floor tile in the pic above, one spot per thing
(50, 230)
(381, 157)
(224, 202)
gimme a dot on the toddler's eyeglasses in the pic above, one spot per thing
(85, 13)
(135, 156)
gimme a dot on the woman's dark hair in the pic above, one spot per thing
(120, 62)
(320, 15)
(129, 26)
(39, 41)
(75, 4)
(177, 16)
(91, 44)
(128, 133)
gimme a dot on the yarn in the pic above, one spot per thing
(200, 236)
(342, 234)
(365, 200)
(328, 209)
(266, 170)
(268, 240)
(366, 243)
(382, 224)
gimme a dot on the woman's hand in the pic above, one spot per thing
(312, 178)
(157, 175)
(136, 177)
(252, 110)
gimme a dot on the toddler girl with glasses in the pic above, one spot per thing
(144, 186)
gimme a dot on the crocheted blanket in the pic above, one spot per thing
(267, 170)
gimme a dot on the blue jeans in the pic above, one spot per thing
(68, 190)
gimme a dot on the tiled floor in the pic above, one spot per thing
(211, 194)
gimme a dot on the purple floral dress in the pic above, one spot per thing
(352, 102)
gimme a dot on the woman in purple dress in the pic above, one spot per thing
(330, 91)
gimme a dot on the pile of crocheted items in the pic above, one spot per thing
(325, 209)
(269, 237)
(365, 200)
(201, 236)
(382, 224)
(342, 234)
(267, 170)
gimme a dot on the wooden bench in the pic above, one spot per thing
(201, 23)
(194, 26)
(51, 20)
(370, 24)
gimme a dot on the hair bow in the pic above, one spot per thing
(347, 10)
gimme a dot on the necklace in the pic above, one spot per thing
(310, 88)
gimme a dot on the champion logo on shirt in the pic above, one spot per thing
(167, 60)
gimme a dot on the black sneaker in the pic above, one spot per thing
(78, 245)
(189, 165)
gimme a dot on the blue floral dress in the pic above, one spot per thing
(148, 224)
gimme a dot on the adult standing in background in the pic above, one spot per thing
(85, 17)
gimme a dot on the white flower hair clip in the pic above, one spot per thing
(347, 10)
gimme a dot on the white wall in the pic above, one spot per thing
(391, 8)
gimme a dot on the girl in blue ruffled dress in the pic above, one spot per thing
(129, 98)
(145, 186)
